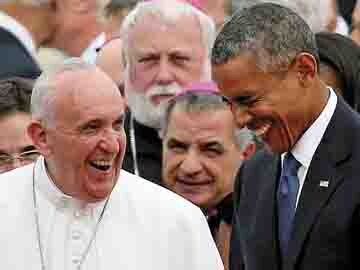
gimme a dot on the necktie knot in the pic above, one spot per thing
(290, 165)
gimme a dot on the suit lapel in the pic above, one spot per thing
(263, 238)
(323, 177)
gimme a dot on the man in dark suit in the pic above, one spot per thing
(298, 203)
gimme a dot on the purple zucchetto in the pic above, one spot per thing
(209, 87)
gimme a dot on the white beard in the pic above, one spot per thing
(142, 108)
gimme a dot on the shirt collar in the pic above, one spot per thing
(90, 53)
(54, 195)
(18, 30)
(306, 146)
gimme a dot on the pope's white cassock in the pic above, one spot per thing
(144, 226)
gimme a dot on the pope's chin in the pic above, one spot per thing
(99, 182)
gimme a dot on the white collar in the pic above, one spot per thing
(18, 30)
(90, 53)
(306, 146)
(55, 196)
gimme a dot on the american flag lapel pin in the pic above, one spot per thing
(324, 183)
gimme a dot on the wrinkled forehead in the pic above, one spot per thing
(183, 24)
(85, 88)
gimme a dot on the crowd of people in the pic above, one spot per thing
(179, 134)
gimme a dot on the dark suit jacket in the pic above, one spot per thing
(326, 232)
(15, 60)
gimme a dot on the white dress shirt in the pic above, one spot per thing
(18, 30)
(144, 227)
(306, 146)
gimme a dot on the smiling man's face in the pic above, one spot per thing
(200, 155)
(86, 141)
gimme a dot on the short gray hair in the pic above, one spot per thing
(273, 33)
(312, 11)
(44, 92)
(197, 101)
(169, 11)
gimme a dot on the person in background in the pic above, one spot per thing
(314, 12)
(72, 26)
(202, 152)
(31, 22)
(114, 13)
(16, 60)
(340, 65)
(16, 147)
(166, 46)
(110, 60)
(74, 208)
(298, 201)
(218, 10)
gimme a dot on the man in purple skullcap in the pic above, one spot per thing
(202, 152)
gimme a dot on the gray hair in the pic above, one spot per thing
(44, 92)
(169, 11)
(196, 101)
(312, 11)
(273, 33)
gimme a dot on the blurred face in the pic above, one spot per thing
(16, 148)
(164, 57)
(86, 144)
(200, 157)
(216, 9)
(110, 61)
(276, 106)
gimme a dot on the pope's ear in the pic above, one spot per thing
(39, 137)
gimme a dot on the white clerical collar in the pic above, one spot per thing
(19, 31)
(90, 53)
(306, 146)
(55, 196)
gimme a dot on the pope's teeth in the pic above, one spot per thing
(102, 163)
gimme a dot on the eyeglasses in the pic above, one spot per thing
(7, 162)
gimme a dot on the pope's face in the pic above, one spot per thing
(164, 57)
(86, 143)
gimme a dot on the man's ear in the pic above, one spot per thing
(39, 137)
(306, 68)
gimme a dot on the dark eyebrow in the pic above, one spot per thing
(2, 152)
(176, 142)
(243, 99)
(212, 144)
